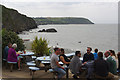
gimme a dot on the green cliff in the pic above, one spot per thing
(61, 20)
(14, 21)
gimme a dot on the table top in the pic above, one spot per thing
(70, 54)
(48, 62)
(27, 54)
(44, 58)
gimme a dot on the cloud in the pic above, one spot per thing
(60, 1)
(98, 12)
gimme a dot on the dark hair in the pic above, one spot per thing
(96, 50)
(100, 54)
(90, 48)
(110, 51)
(77, 52)
(56, 48)
(113, 52)
(62, 50)
(118, 54)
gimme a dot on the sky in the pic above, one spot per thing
(98, 11)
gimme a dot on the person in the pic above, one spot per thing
(88, 56)
(111, 62)
(101, 67)
(12, 56)
(95, 54)
(113, 55)
(118, 55)
(75, 65)
(5, 55)
(64, 58)
(55, 64)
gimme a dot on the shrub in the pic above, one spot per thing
(11, 37)
(40, 46)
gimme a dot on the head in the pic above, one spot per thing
(118, 54)
(62, 51)
(96, 50)
(14, 46)
(57, 50)
(77, 53)
(112, 53)
(89, 49)
(107, 53)
(100, 54)
(9, 45)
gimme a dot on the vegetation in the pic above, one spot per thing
(40, 47)
(11, 37)
(64, 20)
(16, 22)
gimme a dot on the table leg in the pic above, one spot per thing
(67, 75)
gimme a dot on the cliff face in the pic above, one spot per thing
(14, 21)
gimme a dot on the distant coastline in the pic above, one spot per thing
(61, 20)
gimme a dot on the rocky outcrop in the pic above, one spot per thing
(14, 21)
(48, 30)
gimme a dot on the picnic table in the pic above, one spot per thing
(27, 54)
(46, 61)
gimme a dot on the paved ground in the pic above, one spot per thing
(25, 73)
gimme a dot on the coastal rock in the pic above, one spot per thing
(48, 30)
(51, 30)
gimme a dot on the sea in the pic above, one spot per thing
(78, 36)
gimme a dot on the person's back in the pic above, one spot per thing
(75, 64)
(101, 67)
(112, 64)
(5, 55)
(95, 54)
(12, 57)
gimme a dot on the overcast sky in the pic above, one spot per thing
(98, 11)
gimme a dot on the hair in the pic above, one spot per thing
(56, 48)
(90, 48)
(62, 50)
(77, 52)
(113, 52)
(118, 54)
(96, 50)
(14, 45)
(100, 54)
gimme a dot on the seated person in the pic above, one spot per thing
(111, 62)
(76, 63)
(64, 58)
(95, 54)
(55, 63)
(12, 56)
(88, 56)
(101, 67)
(5, 55)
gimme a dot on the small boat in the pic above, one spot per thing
(26, 39)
